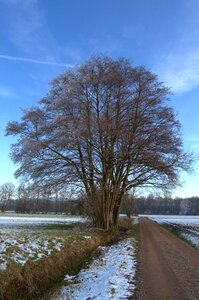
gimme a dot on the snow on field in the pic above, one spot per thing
(111, 276)
(188, 226)
(192, 237)
(18, 249)
(39, 220)
(182, 220)
(24, 238)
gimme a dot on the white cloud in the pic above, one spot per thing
(36, 61)
(180, 71)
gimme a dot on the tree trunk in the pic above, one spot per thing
(105, 212)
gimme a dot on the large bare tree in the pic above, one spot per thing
(105, 127)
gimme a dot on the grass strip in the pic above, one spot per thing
(178, 231)
(36, 278)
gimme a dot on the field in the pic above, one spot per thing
(59, 257)
(36, 252)
(24, 238)
(40, 253)
(186, 226)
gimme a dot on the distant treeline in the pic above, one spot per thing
(28, 199)
(58, 206)
(160, 205)
(131, 205)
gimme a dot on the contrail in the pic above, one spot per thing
(35, 61)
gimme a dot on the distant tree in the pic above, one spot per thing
(185, 206)
(6, 193)
(127, 205)
(104, 127)
(194, 206)
(23, 198)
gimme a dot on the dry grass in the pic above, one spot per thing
(35, 278)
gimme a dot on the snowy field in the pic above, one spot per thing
(188, 226)
(21, 248)
(111, 276)
(31, 238)
(10, 220)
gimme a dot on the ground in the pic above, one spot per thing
(168, 266)
(110, 276)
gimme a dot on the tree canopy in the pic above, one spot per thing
(105, 127)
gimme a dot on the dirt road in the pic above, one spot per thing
(168, 268)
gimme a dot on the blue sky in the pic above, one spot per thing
(40, 38)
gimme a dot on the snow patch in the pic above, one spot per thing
(87, 236)
(69, 277)
(111, 276)
(21, 249)
(135, 220)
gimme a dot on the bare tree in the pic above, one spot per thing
(6, 193)
(104, 127)
(24, 199)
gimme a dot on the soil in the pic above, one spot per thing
(168, 267)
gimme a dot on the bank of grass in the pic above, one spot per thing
(177, 230)
(36, 278)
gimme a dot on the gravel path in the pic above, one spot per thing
(168, 268)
